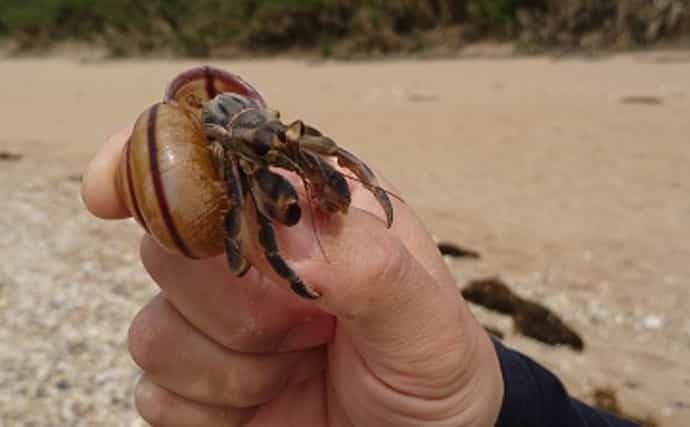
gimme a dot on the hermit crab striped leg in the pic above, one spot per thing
(269, 243)
(368, 179)
(310, 140)
(234, 221)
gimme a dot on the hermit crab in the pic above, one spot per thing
(210, 153)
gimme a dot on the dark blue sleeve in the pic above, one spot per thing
(534, 397)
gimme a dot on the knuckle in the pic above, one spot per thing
(245, 391)
(379, 284)
(144, 341)
(152, 402)
(392, 266)
(258, 379)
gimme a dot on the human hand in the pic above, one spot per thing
(389, 343)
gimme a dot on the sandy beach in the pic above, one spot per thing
(569, 176)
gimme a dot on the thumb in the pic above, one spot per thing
(410, 328)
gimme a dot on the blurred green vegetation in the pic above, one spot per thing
(196, 28)
(205, 27)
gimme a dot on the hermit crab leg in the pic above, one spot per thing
(326, 146)
(267, 239)
(275, 197)
(367, 177)
(311, 140)
(233, 219)
(276, 158)
(331, 189)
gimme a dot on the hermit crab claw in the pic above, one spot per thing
(368, 179)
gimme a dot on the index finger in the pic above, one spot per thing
(98, 189)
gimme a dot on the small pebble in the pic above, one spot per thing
(653, 322)
(63, 385)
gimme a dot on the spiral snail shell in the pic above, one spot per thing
(167, 177)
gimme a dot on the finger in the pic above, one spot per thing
(181, 359)
(406, 226)
(98, 188)
(388, 278)
(396, 314)
(162, 408)
(249, 314)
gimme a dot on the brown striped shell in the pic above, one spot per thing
(195, 86)
(167, 177)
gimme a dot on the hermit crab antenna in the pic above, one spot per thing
(315, 230)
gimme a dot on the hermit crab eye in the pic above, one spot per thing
(235, 103)
(223, 107)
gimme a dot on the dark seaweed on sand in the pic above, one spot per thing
(455, 251)
(531, 318)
